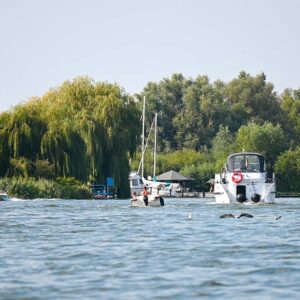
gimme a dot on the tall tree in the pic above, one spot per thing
(257, 97)
(287, 169)
(201, 115)
(84, 129)
(166, 98)
(266, 139)
(291, 106)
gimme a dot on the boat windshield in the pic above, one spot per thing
(251, 163)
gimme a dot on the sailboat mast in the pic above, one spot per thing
(155, 136)
(143, 136)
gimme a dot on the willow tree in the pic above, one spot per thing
(21, 132)
(119, 117)
(4, 149)
(64, 147)
(87, 130)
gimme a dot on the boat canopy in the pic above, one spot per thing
(246, 162)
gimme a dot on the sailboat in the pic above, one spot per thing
(138, 183)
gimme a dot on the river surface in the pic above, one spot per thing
(88, 249)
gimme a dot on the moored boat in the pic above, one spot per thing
(100, 191)
(153, 201)
(137, 182)
(4, 196)
(244, 180)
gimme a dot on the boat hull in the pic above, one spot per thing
(253, 189)
(153, 201)
(244, 179)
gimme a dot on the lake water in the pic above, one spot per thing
(62, 249)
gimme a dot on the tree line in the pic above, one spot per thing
(208, 120)
(91, 130)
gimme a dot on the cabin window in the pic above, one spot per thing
(246, 163)
(135, 182)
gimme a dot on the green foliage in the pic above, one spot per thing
(166, 99)
(21, 167)
(197, 165)
(175, 160)
(81, 129)
(179, 159)
(222, 145)
(287, 170)
(291, 107)
(256, 96)
(90, 130)
(266, 139)
(201, 114)
(30, 188)
(202, 173)
(44, 169)
(67, 181)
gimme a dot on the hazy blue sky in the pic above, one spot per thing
(131, 42)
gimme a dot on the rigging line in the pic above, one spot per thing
(144, 150)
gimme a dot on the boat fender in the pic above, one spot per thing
(237, 177)
(162, 202)
(241, 198)
(255, 198)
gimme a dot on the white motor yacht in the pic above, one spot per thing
(244, 180)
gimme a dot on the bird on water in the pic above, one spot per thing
(276, 217)
(236, 216)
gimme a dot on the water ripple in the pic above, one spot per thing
(58, 249)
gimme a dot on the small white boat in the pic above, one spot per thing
(4, 196)
(244, 180)
(153, 201)
(138, 182)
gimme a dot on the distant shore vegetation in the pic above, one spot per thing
(90, 130)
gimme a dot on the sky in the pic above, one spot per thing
(132, 42)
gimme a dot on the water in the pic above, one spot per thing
(59, 249)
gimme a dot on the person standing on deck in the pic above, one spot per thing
(145, 195)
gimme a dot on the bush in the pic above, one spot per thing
(30, 188)
(287, 169)
(202, 173)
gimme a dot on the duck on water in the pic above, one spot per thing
(244, 180)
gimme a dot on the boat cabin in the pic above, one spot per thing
(136, 183)
(246, 162)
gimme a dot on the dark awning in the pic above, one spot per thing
(211, 181)
(173, 176)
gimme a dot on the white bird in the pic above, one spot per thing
(189, 216)
(276, 217)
